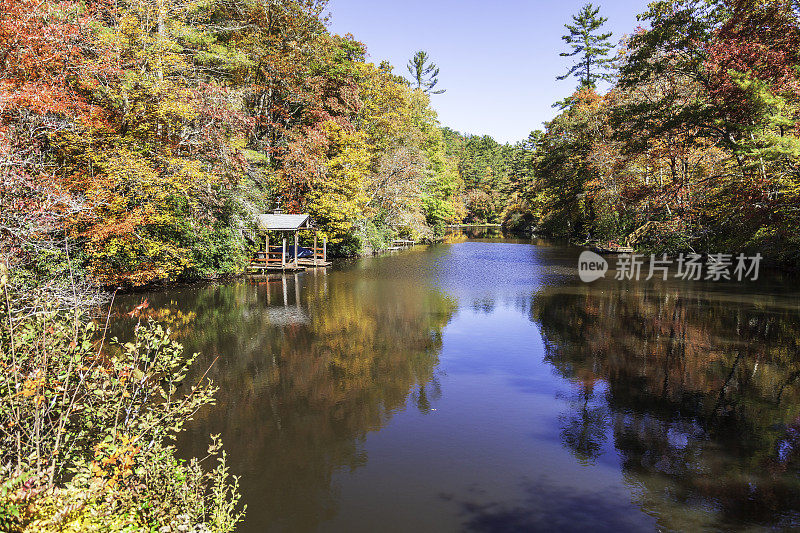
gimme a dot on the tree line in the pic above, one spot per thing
(695, 146)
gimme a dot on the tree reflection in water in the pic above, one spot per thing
(583, 429)
(702, 395)
(308, 369)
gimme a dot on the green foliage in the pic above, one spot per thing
(563, 168)
(424, 73)
(592, 48)
(11, 511)
(492, 173)
(217, 251)
(190, 118)
(370, 236)
(443, 188)
(150, 144)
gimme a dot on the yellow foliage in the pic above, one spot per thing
(338, 195)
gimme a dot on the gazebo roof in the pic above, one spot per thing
(282, 222)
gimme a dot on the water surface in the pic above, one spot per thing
(481, 386)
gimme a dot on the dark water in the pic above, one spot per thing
(481, 386)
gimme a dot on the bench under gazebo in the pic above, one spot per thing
(279, 257)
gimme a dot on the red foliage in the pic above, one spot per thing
(43, 54)
(762, 38)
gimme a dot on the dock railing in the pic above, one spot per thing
(274, 256)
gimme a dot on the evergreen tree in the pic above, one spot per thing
(592, 48)
(424, 74)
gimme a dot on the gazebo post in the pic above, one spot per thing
(295, 248)
(266, 250)
(283, 254)
(325, 249)
(315, 248)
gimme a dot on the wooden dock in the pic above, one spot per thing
(313, 263)
(258, 265)
(399, 244)
(261, 265)
(476, 225)
(610, 249)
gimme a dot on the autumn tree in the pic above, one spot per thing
(40, 100)
(733, 64)
(563, 169)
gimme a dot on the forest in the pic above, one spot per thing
(696, 145)
(148, 135)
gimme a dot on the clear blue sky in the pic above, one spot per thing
(498, 60)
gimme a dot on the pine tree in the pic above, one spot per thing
(425, 75)
(592, 48)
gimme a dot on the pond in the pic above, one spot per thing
(480, 385)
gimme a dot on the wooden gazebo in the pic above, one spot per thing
(274, 257)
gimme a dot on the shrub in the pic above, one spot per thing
(87, 424)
